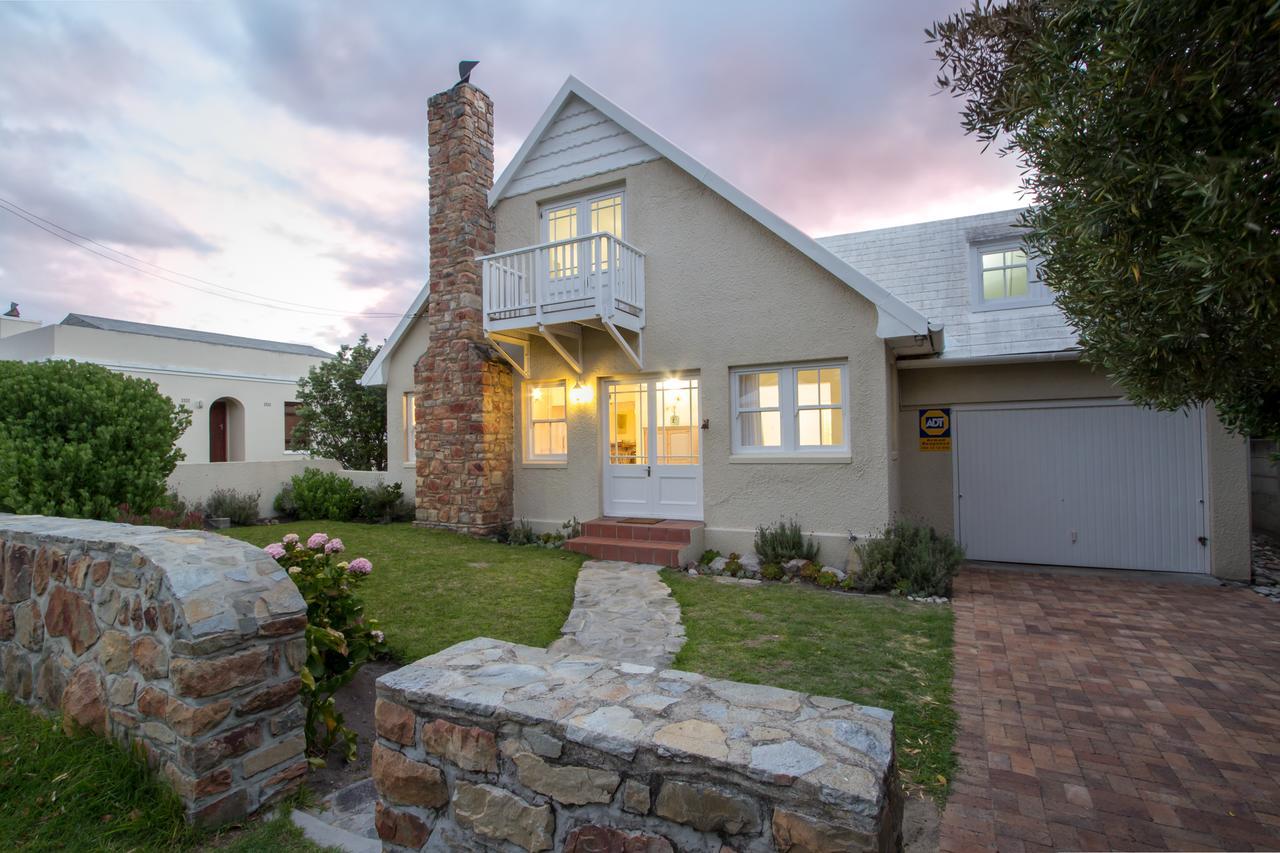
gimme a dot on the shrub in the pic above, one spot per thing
(340, 639)
(322, 495)
(384, 503)
(171, 512)
(810, 571)
(285, 503)
(240, 507)
(784, 541)
(826, 580)
(708, 557)
(572, 528)
(79, 440)
(909, 559)
(733, 565)
(772, 572)
(521, 533)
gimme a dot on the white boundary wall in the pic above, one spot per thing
(194, 481)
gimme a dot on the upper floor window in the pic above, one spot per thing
(791, 409)
(1004, 276)
(566, 220)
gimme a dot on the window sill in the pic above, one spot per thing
(773, 458)
(410, 464)
(545, 464)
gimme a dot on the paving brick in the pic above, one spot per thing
(1101, 714)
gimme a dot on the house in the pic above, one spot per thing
(242, 392)
(612, 331)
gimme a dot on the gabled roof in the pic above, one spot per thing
(106, 324)
(376, 372)
(895, 318)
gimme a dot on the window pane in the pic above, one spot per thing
(760, 429)
(628, 425)
(540, 403)
(606, 215)
(833, 427)
(829, 392)
(993, 284)
(758, 391)
(559, 438)
(291, 417)
(562, 224)
(1018, 281)
(992, 260)
(807, 393)
(1015, 258)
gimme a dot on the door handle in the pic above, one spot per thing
(648, 470)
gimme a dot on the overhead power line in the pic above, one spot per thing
(167, 274)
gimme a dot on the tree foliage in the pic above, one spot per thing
(339, 418)
(79, 440)
(1149, 135)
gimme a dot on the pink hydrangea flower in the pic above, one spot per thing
(291, 539)
(275, 550)
(334, 546)
(378, 636)
(317, 540)
(360, 566)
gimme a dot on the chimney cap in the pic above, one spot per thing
(464, 69)
(13, 310)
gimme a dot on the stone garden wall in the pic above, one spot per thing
(183, 642)
(493, 746)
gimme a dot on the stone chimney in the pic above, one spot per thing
(464, 405)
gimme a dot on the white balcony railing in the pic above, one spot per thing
(596, 276)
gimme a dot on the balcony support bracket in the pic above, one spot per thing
(636, 357)
(515, 365)
(553, 338)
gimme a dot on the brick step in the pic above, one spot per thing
(629, 550)
(681, 532)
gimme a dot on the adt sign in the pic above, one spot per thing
(935, 430)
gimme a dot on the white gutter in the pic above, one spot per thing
(1016, 358)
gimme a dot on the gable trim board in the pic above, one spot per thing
(895, 319)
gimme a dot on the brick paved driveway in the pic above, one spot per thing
(1106, 714)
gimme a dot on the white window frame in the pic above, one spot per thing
(531, 458)
(408, 426)
(1037, 292)
(789, 409)
(583, 203)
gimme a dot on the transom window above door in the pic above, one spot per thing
(566, 220)
(789, 409)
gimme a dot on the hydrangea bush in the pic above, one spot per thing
(340, 639)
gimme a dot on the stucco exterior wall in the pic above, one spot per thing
(1264, 478)
(399, 368)
(926, 479)
(721, 292)
(192, 373)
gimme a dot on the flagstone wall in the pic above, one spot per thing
(183, 643)
(491, 745)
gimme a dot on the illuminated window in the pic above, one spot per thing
(600, 213)
(546, 422)
(793, 409)
(292, 415)
(409, 418)
(1004, 276)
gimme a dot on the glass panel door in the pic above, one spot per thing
(653, 449)
(629, 424)
(678, 422)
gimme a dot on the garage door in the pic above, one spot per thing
(1096, 484)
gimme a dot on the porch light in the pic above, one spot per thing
(580, 393)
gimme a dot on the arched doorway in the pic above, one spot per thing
(226, 430)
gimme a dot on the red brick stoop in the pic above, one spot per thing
(667, 543)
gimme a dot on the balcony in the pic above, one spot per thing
(554, 289)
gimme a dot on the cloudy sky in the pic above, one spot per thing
(265, 162)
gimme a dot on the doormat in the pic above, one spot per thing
(641, 521)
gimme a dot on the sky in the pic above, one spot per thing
(260, 168)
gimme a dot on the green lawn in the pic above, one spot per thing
(431, 589)
(89, 794)
(875, 651)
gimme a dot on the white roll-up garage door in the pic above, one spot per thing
(1098, 484)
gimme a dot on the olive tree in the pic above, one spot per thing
(1149, 136)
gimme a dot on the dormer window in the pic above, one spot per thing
(1004, 276)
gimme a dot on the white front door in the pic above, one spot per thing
(653, 449)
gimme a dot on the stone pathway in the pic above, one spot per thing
(624, 612)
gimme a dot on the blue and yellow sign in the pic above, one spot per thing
(935, 430)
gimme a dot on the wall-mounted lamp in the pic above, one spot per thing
(580, 393)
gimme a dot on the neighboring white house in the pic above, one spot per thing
(242, 392)
(680, 352)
